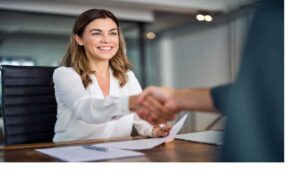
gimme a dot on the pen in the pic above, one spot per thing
(93, 147)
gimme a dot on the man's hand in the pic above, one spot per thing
(150, 110)
(158, 105)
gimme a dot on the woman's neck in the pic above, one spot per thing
(101, 68)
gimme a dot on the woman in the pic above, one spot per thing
(94, 84)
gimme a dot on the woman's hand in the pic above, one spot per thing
(161, 130)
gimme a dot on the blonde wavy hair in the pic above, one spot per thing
(76, 57)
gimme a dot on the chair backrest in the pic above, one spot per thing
(28, 104)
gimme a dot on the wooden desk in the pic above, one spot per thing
(176, 151)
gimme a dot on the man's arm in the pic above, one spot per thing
(173, 101)
(194, 99)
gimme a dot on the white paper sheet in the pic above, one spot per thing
(210, 137)
(79, 153)
(144, 144)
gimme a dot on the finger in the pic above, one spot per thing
(159, 133)
(164, 133)
(143, 113)
(154, 106)
(155, 132)
(158, 110)
(166, 128)
(147, 92)
(139, 112)
(154, 91)
(152, 118)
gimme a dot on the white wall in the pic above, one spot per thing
(201, 58)
(198, 56)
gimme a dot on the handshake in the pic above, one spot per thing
(160, 104)
(157, 105)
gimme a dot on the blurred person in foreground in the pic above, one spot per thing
(254, 130)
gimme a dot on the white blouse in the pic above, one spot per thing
(86, 114)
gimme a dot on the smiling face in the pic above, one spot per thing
(100, 39)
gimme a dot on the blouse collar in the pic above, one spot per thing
(95, 89)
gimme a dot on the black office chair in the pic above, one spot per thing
(28, 104)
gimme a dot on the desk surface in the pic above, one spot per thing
(176, 151)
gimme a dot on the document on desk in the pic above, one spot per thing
(80, 153)
(112, 150)
(209, 137)
(143, 144)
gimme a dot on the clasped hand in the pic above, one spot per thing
(155, 104)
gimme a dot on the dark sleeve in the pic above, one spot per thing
(220, 96)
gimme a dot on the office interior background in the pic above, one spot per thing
(191, 43)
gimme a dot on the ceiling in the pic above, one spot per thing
(135, 10)
(159, 14)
